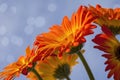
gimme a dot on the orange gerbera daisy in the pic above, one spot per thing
(108, 43)
(20, 66)
(70, 33)
(107, 16)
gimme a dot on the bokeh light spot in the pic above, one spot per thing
(40, 21)
(3, 7)
(5, 41)
(3, 30)
(52, 7)
(13, 9)
(30, 21)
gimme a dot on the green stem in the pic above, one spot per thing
(86, 65)
(37, 74)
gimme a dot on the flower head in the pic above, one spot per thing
(54, 67)
(107, 16)
(108, 43)
(20, 66)
(70, 33)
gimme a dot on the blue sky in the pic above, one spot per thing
(22, 20)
